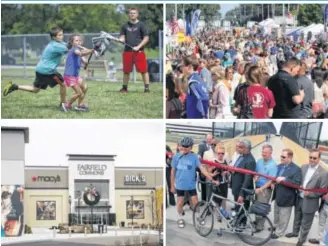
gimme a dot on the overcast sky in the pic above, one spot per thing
(136, 143)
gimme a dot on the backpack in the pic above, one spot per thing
(178, 106)
(246, 110)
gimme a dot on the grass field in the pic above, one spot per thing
(103, 99)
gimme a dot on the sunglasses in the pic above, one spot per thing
(213, 74)
(185, 146)
(283, 157)
(313, 158)
(213, 145)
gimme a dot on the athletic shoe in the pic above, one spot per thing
(181, 223)
(82, 108)
(64, 107)
(10, 87)
(123, 90)
(147, 90)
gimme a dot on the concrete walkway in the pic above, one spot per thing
(41, 234)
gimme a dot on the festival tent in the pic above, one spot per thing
(267, 22)
(306, 29)
(294, 31)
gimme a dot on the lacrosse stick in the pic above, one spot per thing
(111, 37)
(99, 47)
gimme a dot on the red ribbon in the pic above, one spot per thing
(245, 171)
(249, 172)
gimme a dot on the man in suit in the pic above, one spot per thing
(314, 176)
(285, 197)
(202, 148)
(240, 180)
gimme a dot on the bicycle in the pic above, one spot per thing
(240, 220)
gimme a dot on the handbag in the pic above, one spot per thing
(260, 208)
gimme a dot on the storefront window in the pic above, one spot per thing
(45, 210)
(135, 209)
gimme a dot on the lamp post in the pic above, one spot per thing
(78, 206)
(152, 205)
(132, 204)
(70, 209)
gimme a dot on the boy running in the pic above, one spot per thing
(72, 69)
(183, 176)
(46, 73)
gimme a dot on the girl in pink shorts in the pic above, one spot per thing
(72, 69)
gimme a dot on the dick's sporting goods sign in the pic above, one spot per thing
(95, 169)
(135, 179)
(47, 179)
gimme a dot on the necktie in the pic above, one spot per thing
(240, 158)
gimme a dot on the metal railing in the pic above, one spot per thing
(21, 53)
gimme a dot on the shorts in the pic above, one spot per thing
(71, 81)
(181, 193)
(138, 59)
(42, 81)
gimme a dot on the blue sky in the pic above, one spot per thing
(226, 7)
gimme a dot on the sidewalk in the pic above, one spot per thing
(229, 238)
(42, 234)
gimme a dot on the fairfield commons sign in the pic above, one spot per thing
(94, 169)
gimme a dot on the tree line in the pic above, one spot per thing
(306, 13)
(81, 18)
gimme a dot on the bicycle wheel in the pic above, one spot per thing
(247, 229)
(203, 218)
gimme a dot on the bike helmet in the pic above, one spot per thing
(187, 141)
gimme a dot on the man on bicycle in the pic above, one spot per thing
(183, 177)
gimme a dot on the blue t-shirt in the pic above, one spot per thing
(219, 54)
(197, 100)
(185, 165)
(51, 57)
(73, 63)
(268, 168)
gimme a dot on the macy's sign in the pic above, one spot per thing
(49, 179)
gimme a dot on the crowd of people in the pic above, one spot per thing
(242, 74)
(183, 166)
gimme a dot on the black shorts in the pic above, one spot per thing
(42, 81)
(181, 193)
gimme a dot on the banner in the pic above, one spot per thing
(325, 15)
(188, 24)
(194, 21)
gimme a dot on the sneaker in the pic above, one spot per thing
(123, 90)
(147, 90)
(181, 223)
(82, 108)
(10, 87)
(64, 107)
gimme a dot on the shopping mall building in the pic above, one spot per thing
(56, 194)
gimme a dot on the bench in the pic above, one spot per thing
(96, 64)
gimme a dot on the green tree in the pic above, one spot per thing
(152, 15)
(208, 11)
(310, 13)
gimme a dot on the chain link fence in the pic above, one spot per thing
(21, 53)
